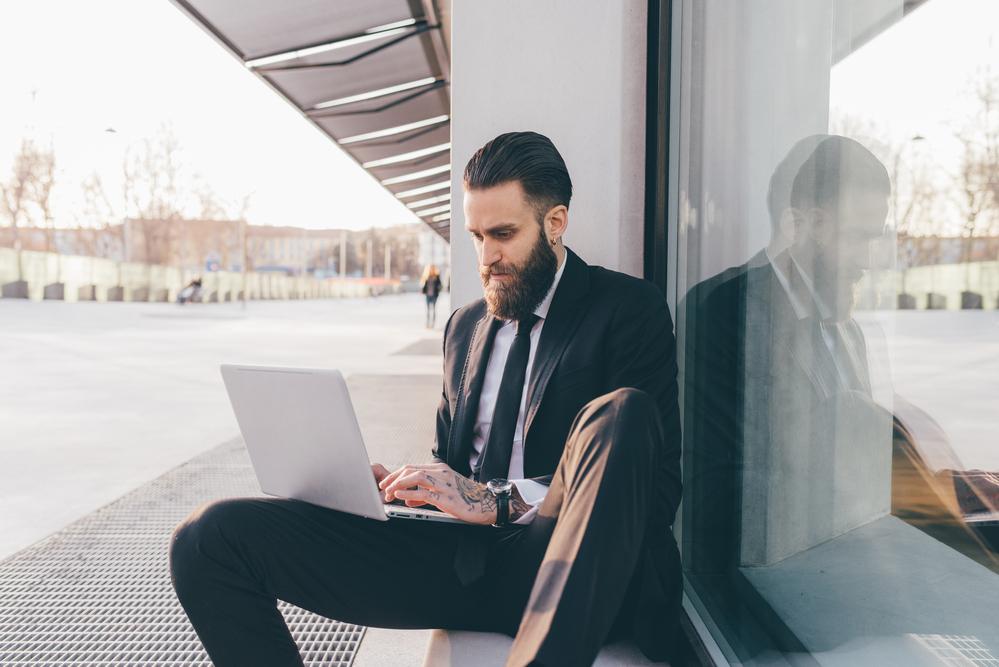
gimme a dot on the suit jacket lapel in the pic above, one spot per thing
(564, 316)
(460, 445)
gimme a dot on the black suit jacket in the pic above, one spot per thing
(605, 330)
(756, 376)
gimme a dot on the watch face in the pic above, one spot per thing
(498, 486)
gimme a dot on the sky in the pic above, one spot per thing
(916, 78)
(71, 70)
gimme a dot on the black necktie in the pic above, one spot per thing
(496, 456)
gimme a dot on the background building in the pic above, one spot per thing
(216, 245)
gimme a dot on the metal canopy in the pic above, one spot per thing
(373, 75)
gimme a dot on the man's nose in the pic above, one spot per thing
(490, 253)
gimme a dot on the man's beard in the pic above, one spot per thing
(836, 288)
(519, 296)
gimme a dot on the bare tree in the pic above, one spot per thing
(971, 196)
(912, 202)
(976, 182)
(99, 212)
(914, 194)
(241, 207)
(987, 92)
(97, 207)
(153, 175)
(41, 192)
(16, 193)
(151, 183)
(210, 206)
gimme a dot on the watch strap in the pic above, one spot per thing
(502, 509)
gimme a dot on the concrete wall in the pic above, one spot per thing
(577, 76)
(150, 282)
(751, 89)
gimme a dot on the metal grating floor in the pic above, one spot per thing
(958, 650)
(98, 592)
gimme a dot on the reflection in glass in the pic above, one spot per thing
(836, 505)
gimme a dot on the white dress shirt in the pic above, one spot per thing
(532, 492)
(811, 303)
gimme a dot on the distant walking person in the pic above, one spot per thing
(430, 285)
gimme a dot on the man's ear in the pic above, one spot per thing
(556, 221)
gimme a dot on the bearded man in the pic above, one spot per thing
(557, 444)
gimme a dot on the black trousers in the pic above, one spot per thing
(562, 585)
(431, 310)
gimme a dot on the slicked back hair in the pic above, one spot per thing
(837, 166)
(528, 158)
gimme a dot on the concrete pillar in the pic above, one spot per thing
(388, 261)
(587, 95)
(369, 260)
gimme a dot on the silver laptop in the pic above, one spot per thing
(302, 435)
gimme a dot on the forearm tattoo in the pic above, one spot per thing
(475, 496)
(478, 498)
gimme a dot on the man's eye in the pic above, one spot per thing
(502, 235)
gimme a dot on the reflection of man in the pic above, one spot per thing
(778, 393)
(563, 379)
(786, 445)
(781, 218)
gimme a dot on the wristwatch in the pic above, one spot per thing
(500, 488)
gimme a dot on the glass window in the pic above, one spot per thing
(835, 224)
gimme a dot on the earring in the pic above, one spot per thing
(554, 241)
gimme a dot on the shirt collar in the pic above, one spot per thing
(546, 303)
(800, 289)
(824, 312)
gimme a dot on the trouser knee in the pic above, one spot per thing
(624, 421)
(628, 399)
(198, 541)
(622, 407)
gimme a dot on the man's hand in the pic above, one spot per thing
(379, 471)
(438, 485)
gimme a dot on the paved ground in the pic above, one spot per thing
(97, 399)
(947, 364)
(106, 575)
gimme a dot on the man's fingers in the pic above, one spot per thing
(411, 467)
(392, 476)
(436, 465)
(413, 478)
(406, 480)
(416, 497)
(379, 471)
